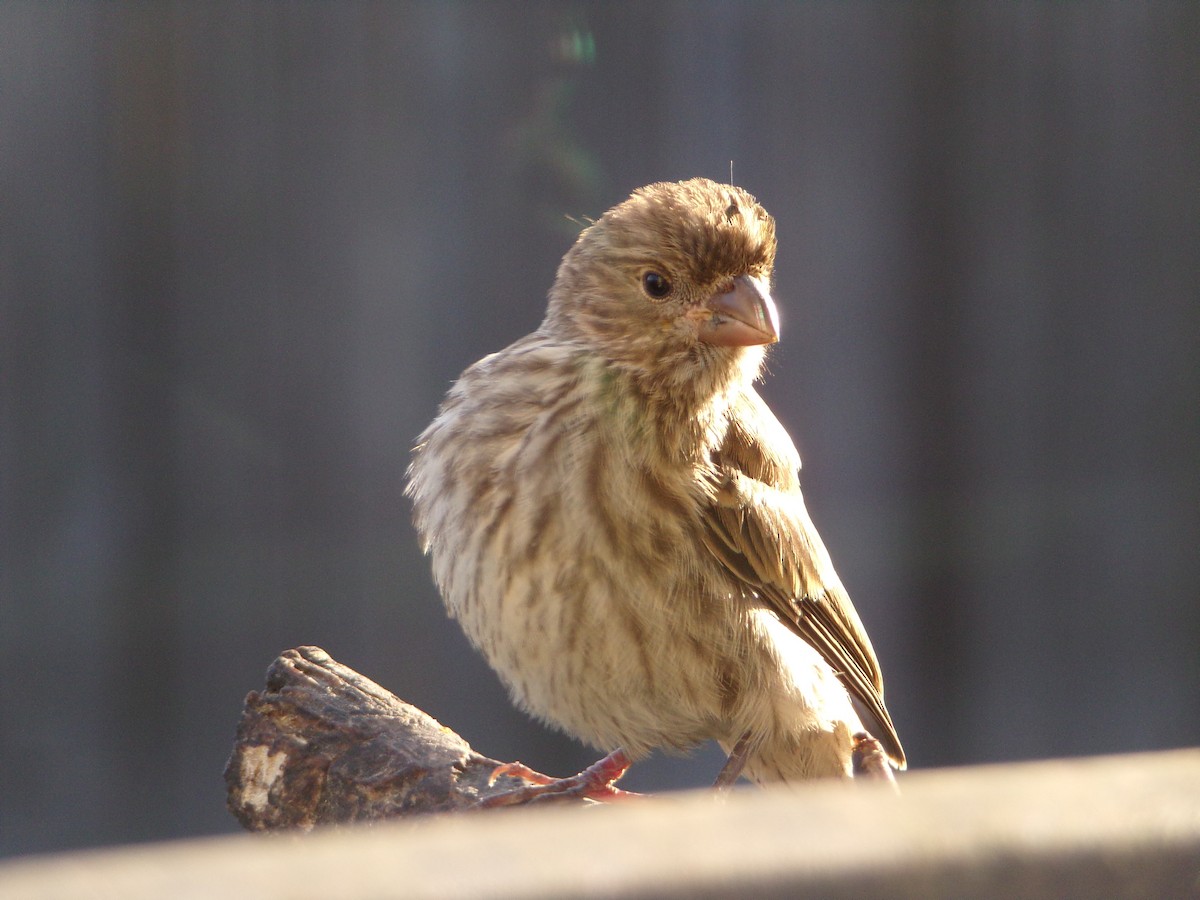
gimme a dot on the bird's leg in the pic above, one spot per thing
(596, 782)
(868, 759)
(732, 770)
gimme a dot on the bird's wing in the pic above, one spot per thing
(758, 526)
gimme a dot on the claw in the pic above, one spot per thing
(519, 770)
(596, 782)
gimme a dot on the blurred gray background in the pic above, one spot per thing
(245, 247)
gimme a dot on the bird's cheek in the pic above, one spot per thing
(695, 318)
(672, 324)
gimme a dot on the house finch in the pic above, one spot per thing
(614, 515)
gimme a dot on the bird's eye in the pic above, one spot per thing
(656, 285)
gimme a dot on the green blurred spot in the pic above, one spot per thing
(578, 46)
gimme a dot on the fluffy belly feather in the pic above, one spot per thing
(680, 676)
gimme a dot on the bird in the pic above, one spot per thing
(614, 515)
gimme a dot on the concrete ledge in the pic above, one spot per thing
(1099, 827)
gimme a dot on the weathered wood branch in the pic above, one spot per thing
(324, 744)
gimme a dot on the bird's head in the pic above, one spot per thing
(673, 284)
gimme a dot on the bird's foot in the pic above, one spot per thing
(596, 782)
(869, 760)
(732, 770)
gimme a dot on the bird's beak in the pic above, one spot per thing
(743, 316)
